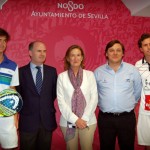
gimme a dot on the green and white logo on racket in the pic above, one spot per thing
(10, 102)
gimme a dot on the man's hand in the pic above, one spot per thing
(16, 118)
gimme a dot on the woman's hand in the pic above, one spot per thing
(80, 123)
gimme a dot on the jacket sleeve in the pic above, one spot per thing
(93, 100)
(54, 84)
(63, 105)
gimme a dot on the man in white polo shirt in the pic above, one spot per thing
(8, 79)
(143, 65)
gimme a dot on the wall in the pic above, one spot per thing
(59, 23)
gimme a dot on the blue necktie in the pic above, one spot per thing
(38, 79)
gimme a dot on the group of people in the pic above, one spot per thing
(115, 87)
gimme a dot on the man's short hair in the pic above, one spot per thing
(142, 38)
(113, 42)
(4, 33)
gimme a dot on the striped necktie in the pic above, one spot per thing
(38, 79)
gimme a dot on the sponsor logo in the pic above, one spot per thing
(70, 6)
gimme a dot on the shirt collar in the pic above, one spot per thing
(144, 60)
(108, 67)
(33, 65)
(5, 60)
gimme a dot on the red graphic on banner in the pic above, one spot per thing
(147, 102)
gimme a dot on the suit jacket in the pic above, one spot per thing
(37, 109)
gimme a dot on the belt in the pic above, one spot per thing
(115, 114)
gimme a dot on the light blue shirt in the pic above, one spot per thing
(34, 70)
(118, 91)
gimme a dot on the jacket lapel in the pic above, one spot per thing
(30, 77)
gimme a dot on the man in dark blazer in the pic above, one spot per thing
(37, 119)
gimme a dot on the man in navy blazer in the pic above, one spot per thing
(37, 119)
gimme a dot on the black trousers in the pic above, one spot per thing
(121, 126)
(38, 140)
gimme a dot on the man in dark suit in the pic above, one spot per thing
(37, 118)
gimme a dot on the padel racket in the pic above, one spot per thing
(10, 102)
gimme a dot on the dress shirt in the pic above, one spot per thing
(34, 70)
(118, 91)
